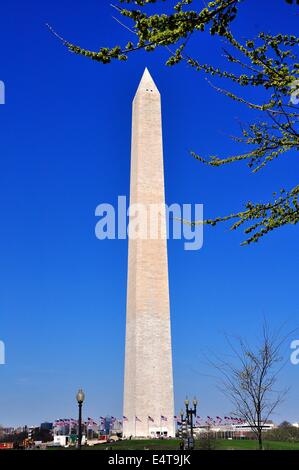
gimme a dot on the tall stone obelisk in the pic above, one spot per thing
(148, 388)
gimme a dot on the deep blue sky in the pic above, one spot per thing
(65, 148)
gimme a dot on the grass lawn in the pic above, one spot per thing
(138, 444)
(173, 444)
(235, 444)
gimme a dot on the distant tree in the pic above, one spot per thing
(285, 424)
(248, 379)
(269, 62)
(43, 435)
(207, 440)
(16, 438)
(286, 433)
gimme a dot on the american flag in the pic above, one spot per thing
(150, 419)
(240, 421)
(91, 422)
(163, 418)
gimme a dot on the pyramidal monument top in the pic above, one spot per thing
(147, 84)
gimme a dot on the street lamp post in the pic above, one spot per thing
(190, 412)
(80, 399)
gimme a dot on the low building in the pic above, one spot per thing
(231, 430)
(66, 440)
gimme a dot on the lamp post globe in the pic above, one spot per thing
(80, 396)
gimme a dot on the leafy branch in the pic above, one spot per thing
(269, 62)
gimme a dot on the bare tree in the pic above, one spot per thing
(248, 379)
(207, 440)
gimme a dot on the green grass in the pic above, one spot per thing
(253, 445)
(173, 444)
(140, 444)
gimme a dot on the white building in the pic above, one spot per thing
(231, 430)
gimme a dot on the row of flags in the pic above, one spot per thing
(198, 420)
(65, 422)
(218, 421)
(163, 418)
(73, 422)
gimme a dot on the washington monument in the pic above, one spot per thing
(148, 387)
